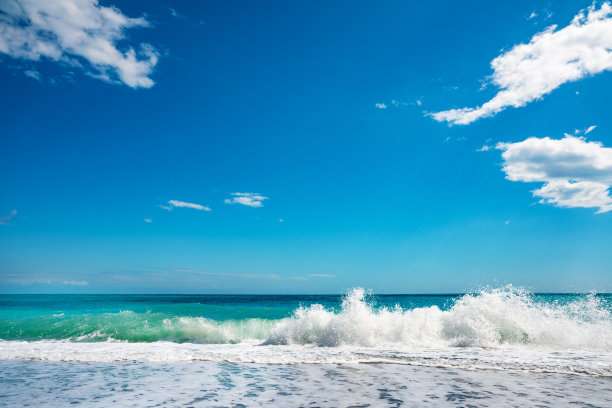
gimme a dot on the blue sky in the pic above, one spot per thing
(304, 147)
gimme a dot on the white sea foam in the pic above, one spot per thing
(495, 329)
(222, 384)
(504, 358)
(492, 318)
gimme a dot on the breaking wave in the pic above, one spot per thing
(487, 319)
(492, 318)
(504, 316)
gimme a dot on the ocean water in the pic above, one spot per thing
(498, 347)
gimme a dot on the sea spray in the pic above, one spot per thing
(494, 317)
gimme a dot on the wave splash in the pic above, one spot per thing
(491, 318)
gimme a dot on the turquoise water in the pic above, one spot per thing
(513, 315)
(165, 317)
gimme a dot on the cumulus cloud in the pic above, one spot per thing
(183, 204)
(380, 106)
(148, 220)
(575, 172)
(248, 199)
(553, 57)
(6, 218)
(77, 33)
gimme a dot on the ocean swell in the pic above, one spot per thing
(137, 327)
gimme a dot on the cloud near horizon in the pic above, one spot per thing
(528, 72)
(75, 283)
(575, 173)
(77, 33)
(314, 275)
(35, 279)
(272, 276)
(248, 199)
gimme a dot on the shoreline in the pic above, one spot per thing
(587, 363)
(204, 384)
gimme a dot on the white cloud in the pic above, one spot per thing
(79, 33)
(381, 106)
(314, 275)
(148, 220)
(183, 204)
(6, 218)
(175, 13)
(36, 279)
(248, 199)
(576, 173)
(272, 276)
(529, 71)
(75, 283)
(32, 73)
(484, 148)
(578, 132)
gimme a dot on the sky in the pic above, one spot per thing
(305, 147)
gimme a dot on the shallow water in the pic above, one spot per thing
(214, 384)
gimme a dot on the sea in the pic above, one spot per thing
(499, 347)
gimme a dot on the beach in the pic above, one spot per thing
(305, 204)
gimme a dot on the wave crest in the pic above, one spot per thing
(494, 317)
